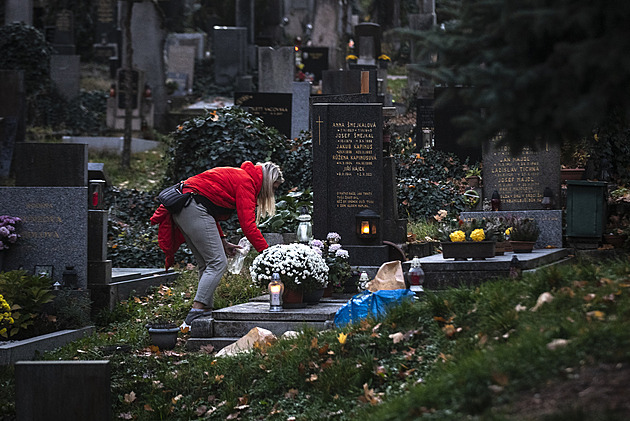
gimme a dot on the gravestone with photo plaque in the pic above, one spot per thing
(315, 60)
(348, 176)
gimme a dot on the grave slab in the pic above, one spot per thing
(63, 390)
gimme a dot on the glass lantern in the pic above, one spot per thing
(276, 288)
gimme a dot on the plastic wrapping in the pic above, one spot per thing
(370, 304)
(235, 263)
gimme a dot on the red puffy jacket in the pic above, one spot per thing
(228, 187)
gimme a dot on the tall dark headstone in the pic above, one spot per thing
(337, 82)
(315, 60)
(230, 54)
(521, 180)
(50, 164)
(348, 176)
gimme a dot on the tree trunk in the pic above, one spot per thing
(125, 161)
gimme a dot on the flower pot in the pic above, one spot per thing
(292, 298)
(164, 338)
(464, 250)
(616, 240)
(313, 297)
(502, 247)
(473, 181)
(571, 174)
(522, 246)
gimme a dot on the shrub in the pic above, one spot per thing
(225, 137)
(26, 295)
(298, 166)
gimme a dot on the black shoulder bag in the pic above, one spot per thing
(173, 199)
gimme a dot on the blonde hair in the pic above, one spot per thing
(266, 198)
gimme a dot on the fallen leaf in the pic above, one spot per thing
(148, 408)
(291, 394)
(342, 338)
(369, 396)
(233, 416)
(219, 378)
(543, 298)
(243, 400)
(396, 337)
(241, 407)
(495, 388)
(176, 398)
(201, 410)
(599, 315)
(589, 297)
(500, 378)
(610, 298)
(326, 364)
(125, 416)
(207, 349)
(520, 308)
(323, 350)
(312, 378)
(314, 343)
(130, 397)
(557, 343)
(449, 330)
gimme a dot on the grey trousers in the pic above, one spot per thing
(202, 236)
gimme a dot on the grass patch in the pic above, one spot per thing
(459, 354)
(146, 171)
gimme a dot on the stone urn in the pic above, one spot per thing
(163, 335)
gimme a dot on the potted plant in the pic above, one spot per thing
(282, 226)
(301, 268)
(163, 333)
(336, 258)
(468, 241)
(8, 234)
(473, 176)
(498, 227)
(423, 235)
(523, 234)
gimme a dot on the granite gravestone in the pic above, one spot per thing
(447, 107)
(300, 108)
(63, 33)
(230, 54)
(348, 176)
(181, 61)
(51, 200)
(105, 27)
(65, 71)
(367, 42)
(276, 69)
(273, 108)
(18, 11)
(63, 390)
(521, 180)
(315, 60)
(336, 82)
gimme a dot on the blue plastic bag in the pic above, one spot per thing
(370, 304)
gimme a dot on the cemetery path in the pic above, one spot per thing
(593, 389)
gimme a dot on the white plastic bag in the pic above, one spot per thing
(235, 263)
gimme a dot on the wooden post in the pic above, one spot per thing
(365, 82)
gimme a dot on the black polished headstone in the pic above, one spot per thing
(50, 164)
(347, 82)
(315, 60)
(273, 108)
(348, 174)
(63, 390)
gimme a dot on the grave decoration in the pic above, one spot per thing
(336, 257)
(523, 234)
(301, 269)
(474, 240)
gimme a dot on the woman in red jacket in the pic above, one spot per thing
(250, 190)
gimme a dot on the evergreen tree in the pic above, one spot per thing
(541, 70)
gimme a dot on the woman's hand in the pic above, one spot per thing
(230, 249)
